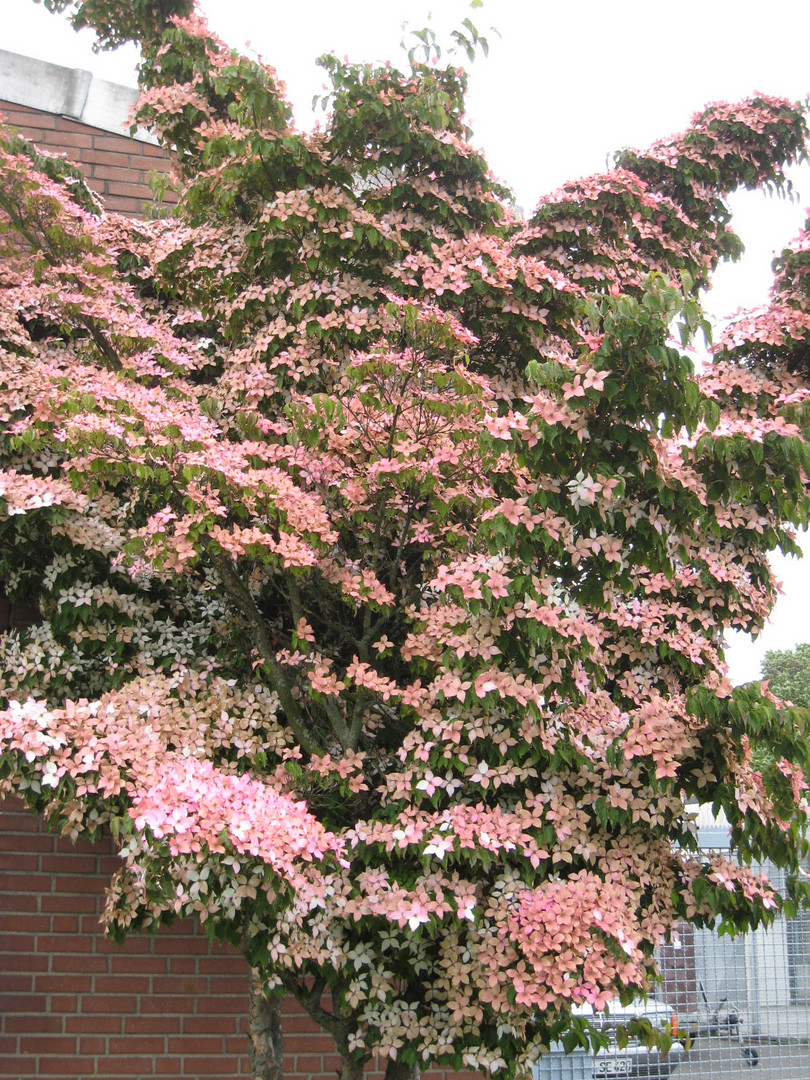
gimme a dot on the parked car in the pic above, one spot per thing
(634, 1061)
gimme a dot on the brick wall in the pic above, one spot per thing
(116, 167)
(73, 1004)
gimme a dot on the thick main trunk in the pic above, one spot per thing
(265, 1033)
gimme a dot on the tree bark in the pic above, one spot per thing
(265, 1033)
(351, 1070)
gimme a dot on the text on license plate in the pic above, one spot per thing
(612, 1066)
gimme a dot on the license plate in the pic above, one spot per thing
(612, 1066)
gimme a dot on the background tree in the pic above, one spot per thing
(788, 674)
(384, 545)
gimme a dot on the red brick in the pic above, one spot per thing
(18, 901)
(122, 984)
(301, 1024)
(26, 1003)
(167, 1067)
(179, 1004)
(214, 1025)
(72, 944)
(24, 962)
(64, 924)
(79, 964)
(156, 167)
(68, 904)
(116, 144)
(290, 1005)
(68, 862)
(179, 928)
(165, 945)
(124, 180)
(63, 984)
(121, 160)
(298, 1044)
(138, 1044)
(61, 1066)
(80, 883)
(91, 924)
(219, 1005)
(64, 1003)
(145, 995)
(229, 964)
(150, 150)
(180, 984)
(229, 984)
(25, 1067)
(137, 943)
(182, 1045)
(94, 1025)
(41, 1023)
(137, 965)
(19, 861)
(22, 927)
(16, 984)
(108, 1003)
(204, 1066)
(153, 1025)
(235, 1045)
(25, 883)
(18, 818)
(66, 140)
(47, 1044)
(130, 190)
(130, 1066)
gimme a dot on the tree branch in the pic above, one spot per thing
(241, 599)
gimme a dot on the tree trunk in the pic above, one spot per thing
(351, 1070)
(398, 1070)
(265, 1033)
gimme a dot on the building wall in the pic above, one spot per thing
(73, 1004)
(115, 167)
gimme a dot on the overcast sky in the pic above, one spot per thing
(565, 84)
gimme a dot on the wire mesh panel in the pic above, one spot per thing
(744, 1001)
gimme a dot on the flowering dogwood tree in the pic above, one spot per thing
(384, 544)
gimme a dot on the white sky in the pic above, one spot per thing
(565, 84)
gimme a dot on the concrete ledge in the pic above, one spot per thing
(69, 92)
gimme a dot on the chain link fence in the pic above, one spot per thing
(744, 1001)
